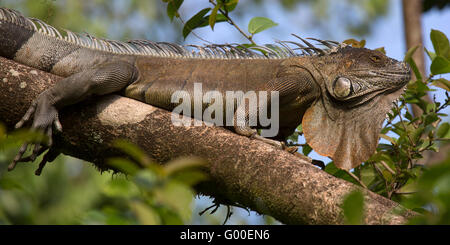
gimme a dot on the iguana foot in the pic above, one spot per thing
(275, 143)
(45, 116)
(290, 149)
(318, 163)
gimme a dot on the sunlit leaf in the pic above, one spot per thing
(440, 65)
(123, 165)
(443, 130)
(183, 164)
(442, 83)
(259, 24)
(382, 50)
(355, 43)
(189, 177)
(178, 197)
(212, 16)
(144, 213)
(440, 43)
(230, 5)
(120, 187)
(387, 138)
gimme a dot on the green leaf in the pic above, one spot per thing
(123, 165)
(172, 8)
(442, 83)
(443, 130)
(212, 16)
(259, 24)
(183, 164)
(355, 43)
(144, 213)
(388, 138)
(408, 58)
(440, 43)
(430, 54)
(178, 197)
(195, 21)
(381, 49)
(230, 5)
(300, 129)
(339, 173)
(367, 174)
(306, 149)
(121, 188)
(353, 208)
(132, 150)
(440, 65)
(147, 180)
(189, 177)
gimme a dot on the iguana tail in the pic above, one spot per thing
(34, 43)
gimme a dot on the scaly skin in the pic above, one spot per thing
(340, 95)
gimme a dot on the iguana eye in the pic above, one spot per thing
(342, 87)
(375, 58)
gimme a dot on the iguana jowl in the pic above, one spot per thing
(340, 94)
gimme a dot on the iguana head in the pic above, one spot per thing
(358, 87)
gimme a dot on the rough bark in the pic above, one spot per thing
(244, 171)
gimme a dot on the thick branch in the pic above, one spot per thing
(242, 170)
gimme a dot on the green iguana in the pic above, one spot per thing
(340, 94)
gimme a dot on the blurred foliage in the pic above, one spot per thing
(156, 194)
(122, 20)
(64, 192)
(359, 23)
(353, 208)
(69, 193)
(439, 4)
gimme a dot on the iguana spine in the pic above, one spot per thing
(340, 94)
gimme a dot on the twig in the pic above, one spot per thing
(381, 174)
(405, 193)
(387, 167)
(407, 135)
(192, 31)
(356, 178)
(295, 144)
(233, 24)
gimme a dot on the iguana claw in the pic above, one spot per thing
(45, 118)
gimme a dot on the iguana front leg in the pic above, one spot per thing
(103, 79)
(293, 91)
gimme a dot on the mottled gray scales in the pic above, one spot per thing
(43, 52)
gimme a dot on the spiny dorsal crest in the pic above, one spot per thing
(282, 49)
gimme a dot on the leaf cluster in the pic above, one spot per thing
(397, 170)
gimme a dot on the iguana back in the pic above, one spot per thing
(340, 94)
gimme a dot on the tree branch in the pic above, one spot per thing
(242, 170)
